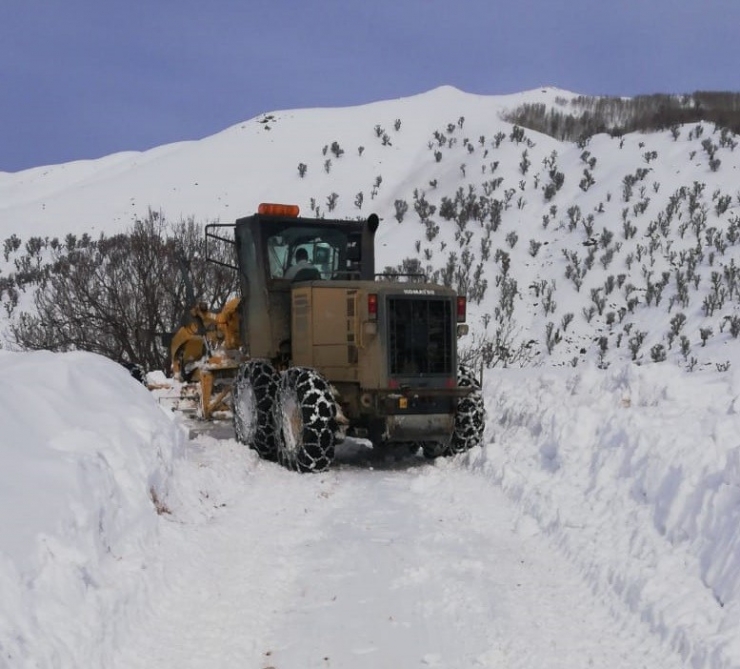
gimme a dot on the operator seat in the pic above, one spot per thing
(307, 274)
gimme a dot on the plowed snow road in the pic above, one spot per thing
(369, 565)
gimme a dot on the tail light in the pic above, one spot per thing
(372, 306)
(462, 306)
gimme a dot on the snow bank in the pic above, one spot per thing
(87, 457)
(635, 472)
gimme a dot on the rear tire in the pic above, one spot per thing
(469, 420)
(470, 415)
(255, 395)
(307, 418)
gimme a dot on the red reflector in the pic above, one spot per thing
(462, 305)
(451, 382)
(372, 305)
(271, 209)
(393, 383)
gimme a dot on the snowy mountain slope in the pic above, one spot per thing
(587, 252)
(222, 176)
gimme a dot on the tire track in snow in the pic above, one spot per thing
(427, 566)
(431, 566)
(226, 578)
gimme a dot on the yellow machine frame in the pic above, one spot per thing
(206, 352)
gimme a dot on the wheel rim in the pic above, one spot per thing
(292, 423)
(247, 412)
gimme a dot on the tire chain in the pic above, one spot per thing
(469, 415)
(318, 413)
(263, 379)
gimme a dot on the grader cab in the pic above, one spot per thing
(331, 348)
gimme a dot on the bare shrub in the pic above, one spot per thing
(118, 295)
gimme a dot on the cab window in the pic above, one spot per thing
(327, 250)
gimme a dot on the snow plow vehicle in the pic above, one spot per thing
(319, 347)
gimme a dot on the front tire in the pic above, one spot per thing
(255, 395)
(307, 418)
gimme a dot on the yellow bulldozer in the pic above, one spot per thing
(318, 346)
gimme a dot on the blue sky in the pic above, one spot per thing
(86, 78)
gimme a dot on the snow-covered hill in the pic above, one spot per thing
(614, 248)
(228, 174)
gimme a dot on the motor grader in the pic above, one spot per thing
(337, 350)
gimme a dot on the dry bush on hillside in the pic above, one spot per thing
(588, 116)
(118, 295)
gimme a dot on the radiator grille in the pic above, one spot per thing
(421, 336)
